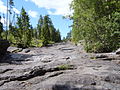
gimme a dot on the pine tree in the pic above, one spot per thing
(39, 25)
(45, 33)
(68, 37)
(23, 29)
(52, 31)
(58, 36)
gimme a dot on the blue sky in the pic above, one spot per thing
(55, 8)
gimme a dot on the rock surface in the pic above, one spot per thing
(4, 44)
(62, 66)
(118, 51)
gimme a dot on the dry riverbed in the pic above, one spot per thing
(62, 66)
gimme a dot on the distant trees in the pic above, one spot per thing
(47, 31)
(97, 22)
(68, 37)
(22, 33)
(58, 36)
(39, 26)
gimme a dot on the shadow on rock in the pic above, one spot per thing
(15, 58)
(61, 87)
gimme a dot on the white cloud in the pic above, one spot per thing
(61, 7)
(16, 11)
(33, 14)
(3, 8)
(3, 20)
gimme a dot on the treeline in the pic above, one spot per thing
(97, 22)
(24, 35)
(68, 37)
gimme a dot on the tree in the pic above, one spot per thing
(52, 31)
(68, 37)
(23, 29)
(39, 25)
(96, 22)
(58, 36)
(45, 33)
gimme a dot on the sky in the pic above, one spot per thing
(56, 9)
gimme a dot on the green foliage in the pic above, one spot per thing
(22, 32)
(58, 36)
(68, 37)
(47, 32)
(23, 35)
(39, 26)
(64, 67)
(98, 23)
(36, 43)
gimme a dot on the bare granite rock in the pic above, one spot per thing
(118, 51)
(62, 66)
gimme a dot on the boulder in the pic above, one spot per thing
(14, 49)
(4, 44)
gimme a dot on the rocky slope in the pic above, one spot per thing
(62, 66)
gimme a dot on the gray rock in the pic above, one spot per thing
(4, 44)
(101, 56)
(118, 51)
(26, 50)
(12, 49)
(59, 67)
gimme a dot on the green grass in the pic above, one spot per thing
(64, 67)
(93, 58)
(36, 43)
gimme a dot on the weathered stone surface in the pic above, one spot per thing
(62, 66)
(101, 56)
(4, 44)
(118, 51)
(26, 50)
(14, 49)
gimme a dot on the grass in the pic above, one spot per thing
(36, 43)
(93, 58)
(64, 67)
